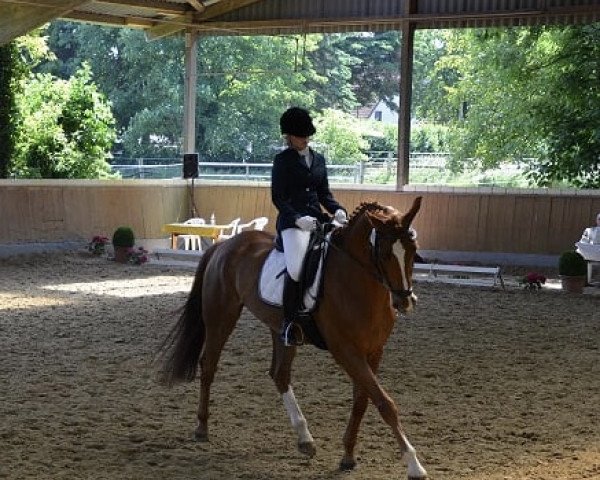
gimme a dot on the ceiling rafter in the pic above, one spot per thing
(199, 6)
(211, 11)
(160, 18)
(155, 6)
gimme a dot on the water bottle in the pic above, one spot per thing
(212, 218)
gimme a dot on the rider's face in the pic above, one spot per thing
(298, 143)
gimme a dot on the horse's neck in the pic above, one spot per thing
(356, 240)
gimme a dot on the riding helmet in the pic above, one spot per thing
(296, 121)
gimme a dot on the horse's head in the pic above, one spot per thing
(392, 245)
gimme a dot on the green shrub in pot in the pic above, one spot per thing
(571, 264)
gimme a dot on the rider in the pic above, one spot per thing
(299, 186)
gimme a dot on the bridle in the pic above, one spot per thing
(375, 241)
(375, 250)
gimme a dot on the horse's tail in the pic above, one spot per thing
(180, 352)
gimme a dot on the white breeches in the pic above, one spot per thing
(295, 244)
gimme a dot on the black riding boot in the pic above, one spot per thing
(291, 334)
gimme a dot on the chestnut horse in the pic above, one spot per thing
(375, 249)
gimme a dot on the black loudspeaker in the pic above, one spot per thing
(190, 165)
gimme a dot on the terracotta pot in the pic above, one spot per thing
(121, 254)
(573, 284)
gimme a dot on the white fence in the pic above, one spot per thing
(382, 165)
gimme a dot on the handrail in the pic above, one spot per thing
(355, 172)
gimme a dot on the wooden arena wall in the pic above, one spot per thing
(451, 219)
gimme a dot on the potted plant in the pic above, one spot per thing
(572, 270)
(98, 245)
(533, 281)
(123, 240)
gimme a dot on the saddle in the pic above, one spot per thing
(311, 284)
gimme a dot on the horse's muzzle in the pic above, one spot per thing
(403, 300)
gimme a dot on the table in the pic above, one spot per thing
(208, 231)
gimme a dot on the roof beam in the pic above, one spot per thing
(109, 20)
(198, 5)
(169, 27)
(19, 17)
(222, 7)
(210, 11)
(154, 6)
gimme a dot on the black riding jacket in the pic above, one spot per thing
(297, 190)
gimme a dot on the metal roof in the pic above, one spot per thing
(270, 17)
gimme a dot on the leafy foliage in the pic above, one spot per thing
(342, 135)
(506, 95)
(123, 237)
(533, 95)
(374, 66)
(9, 72)
(571, 263)
(244, 90)
(67, 128)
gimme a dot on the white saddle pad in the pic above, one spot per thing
(272, 277)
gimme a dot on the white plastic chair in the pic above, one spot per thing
(191, 242)
(258, 223)
(229, 231)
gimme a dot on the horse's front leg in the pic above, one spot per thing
(360, 401)
(362, 375)
(281, 368)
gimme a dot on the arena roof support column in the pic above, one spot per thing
(406, 73)
(189, 93)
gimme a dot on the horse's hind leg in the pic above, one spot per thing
(217, 334)
(281, 372)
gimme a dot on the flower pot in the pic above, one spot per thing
(122, 254)
(573, 284)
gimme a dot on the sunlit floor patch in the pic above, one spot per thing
(127, 288)
(11, 300)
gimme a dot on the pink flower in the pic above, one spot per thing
(533, 281)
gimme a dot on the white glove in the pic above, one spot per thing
(307, 223)
(340, 216)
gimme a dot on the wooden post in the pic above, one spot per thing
(189, 93)
(406, 67)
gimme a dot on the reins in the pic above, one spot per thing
(376, 261)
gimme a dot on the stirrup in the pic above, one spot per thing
(289, 337)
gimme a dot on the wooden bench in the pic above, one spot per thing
(432, 269)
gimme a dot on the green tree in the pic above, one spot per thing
(9, 74)
(69, 126)
(341, 137)
(434, 77)
(244, 90)
(533, 95)
(16, 60)
(332, 81)
(244, 83)
(375, 65)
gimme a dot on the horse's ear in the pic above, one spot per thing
(410, 215)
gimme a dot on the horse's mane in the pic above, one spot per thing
(362, 208)
(339, 233)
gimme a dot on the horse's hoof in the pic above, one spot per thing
(200, 436)
(418, 478)
(347, 465)
(307, 448)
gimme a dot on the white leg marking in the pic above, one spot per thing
(415, 469)
(297, 419)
